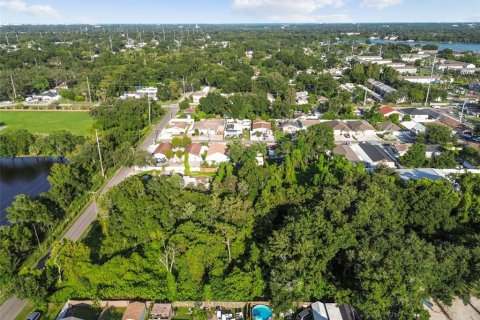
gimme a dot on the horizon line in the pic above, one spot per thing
(236, 23)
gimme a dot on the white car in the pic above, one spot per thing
(34, 316)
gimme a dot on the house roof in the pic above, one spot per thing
(452, 123)
(374, 152)
(384, 110)
(421, 173)
(338, 125)
(194, 149)
(212, 124)
(258, 124)
(217, 148)
(400, 147)
(388, 126)
(345, 151)
(177, 124)
(309, 122)
(162, 309)
(382, 86)
(421, 112)
(134, 311)
(359, 125)
(163, 147)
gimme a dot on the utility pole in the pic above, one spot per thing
(111, 47)
(99, 153)
(6, 37)
(183, 81)
(89, 93)
(463, 108)
(430, 82)
(149, 110)
(13, 86)
(365, 98)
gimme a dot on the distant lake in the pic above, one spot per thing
(441, 45)
(22, 175)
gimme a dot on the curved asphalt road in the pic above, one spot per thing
(12, 307)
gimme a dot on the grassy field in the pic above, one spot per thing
(48, 121)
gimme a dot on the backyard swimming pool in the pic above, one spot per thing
(261, 312)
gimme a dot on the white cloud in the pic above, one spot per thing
(33, 10)
(380, 4)
(290, 10)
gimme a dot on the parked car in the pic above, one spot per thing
(34, 316)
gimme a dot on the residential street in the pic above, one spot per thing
(10, 309)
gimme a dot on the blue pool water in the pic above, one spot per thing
(261, 312)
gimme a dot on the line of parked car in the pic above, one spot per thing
(468, 135)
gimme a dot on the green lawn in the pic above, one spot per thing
(46, 122)
(53, 309)
(29, 308)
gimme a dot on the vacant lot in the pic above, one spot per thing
(48, 121)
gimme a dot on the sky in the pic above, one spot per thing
(236, 11)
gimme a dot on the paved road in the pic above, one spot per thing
(10, 309)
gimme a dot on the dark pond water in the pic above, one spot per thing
(22, 175)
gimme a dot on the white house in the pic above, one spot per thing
(396, 65)
(262, 127)
(414, 126)
(141, 92)
(176, 127)
(372, 155)
(389, 128)
(217, 153)
(289, 126)
(49, 95)
(209, 127)
(421, 114)
(160, 152)
(382, 61)
(414, 57)
(454, 65)
(234, 128)
(406, 70)
(422, 79)
(195, 151)
(368, 58)
(387, 111)
(354, 127)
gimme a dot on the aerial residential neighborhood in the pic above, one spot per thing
(231, 160)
